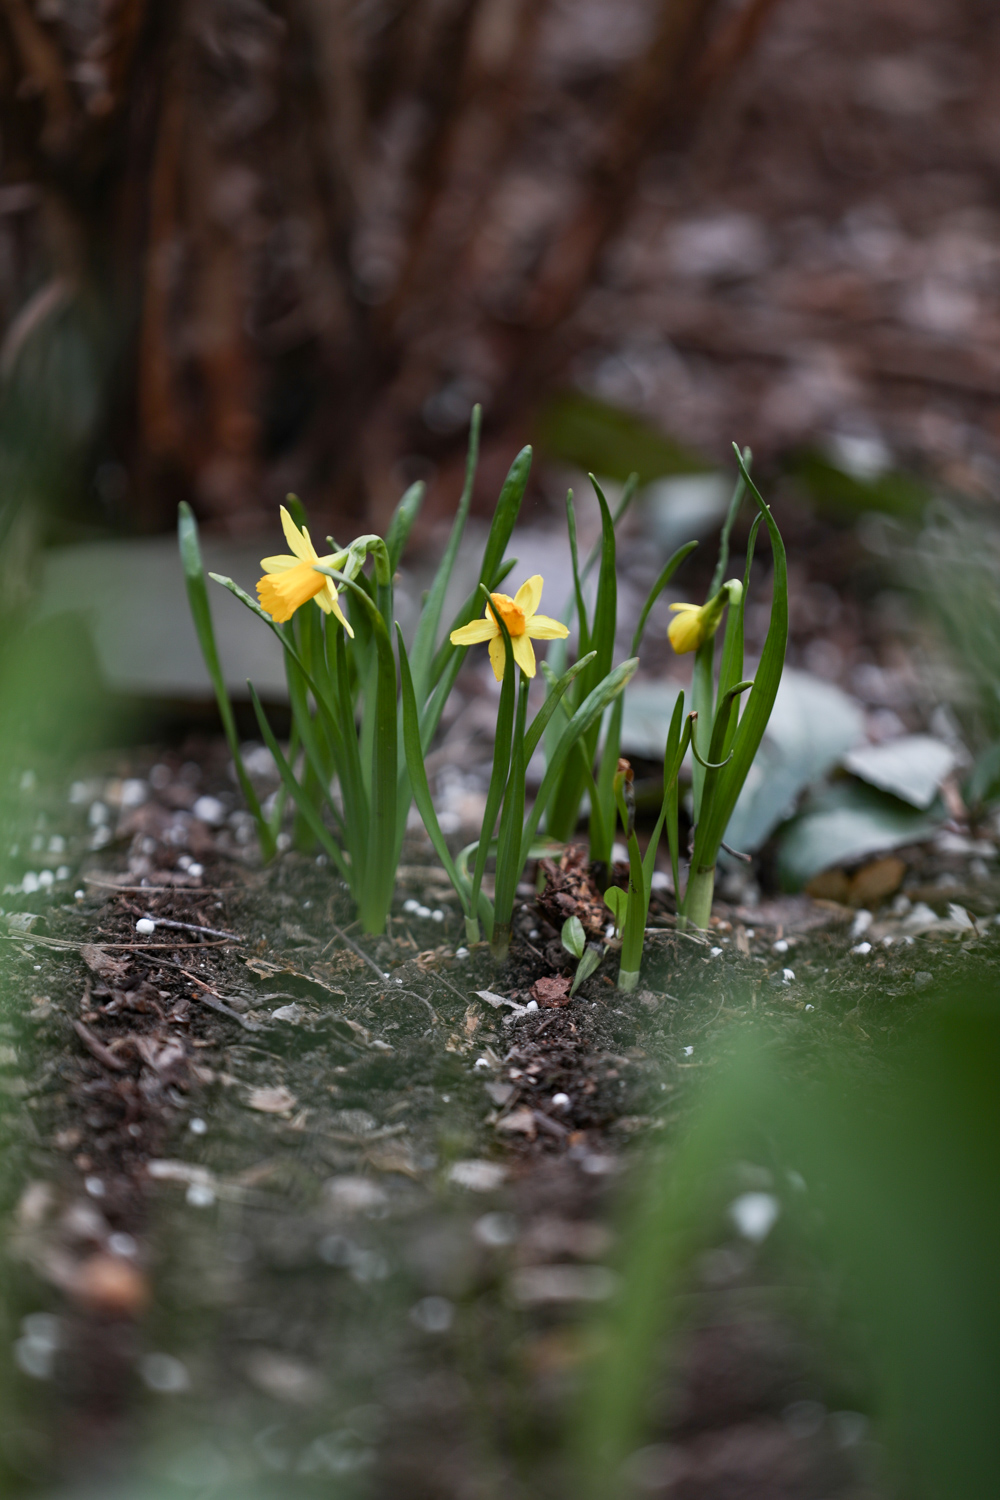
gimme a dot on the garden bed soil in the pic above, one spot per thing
(287, 1203)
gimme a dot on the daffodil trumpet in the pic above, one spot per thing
(512, 624)
(292, 579)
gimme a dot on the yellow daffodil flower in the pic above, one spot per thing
(290, 582)
(520, 615)
(696, 622)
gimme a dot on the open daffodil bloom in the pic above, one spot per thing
(290, 582)
(523, 622)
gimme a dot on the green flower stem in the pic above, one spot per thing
(201, 614)
(634, 928)
(380, 880)
(509, 865)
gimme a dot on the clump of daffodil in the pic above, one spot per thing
(523, 622)
(696, 623)
(290, 582)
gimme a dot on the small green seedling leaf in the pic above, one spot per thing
(589, 961)
(617, 900)
(574, 939)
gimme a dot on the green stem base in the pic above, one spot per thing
(500, 941)
(628, 979)
(697, 906)
(471, 930)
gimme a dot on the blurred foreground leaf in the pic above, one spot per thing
(899, 1197)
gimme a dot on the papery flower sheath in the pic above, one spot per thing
(523, 622)
(290, 582)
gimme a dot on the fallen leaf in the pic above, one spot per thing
(867, 887)
(273, 1101)
(163, 1057)
(551, 991)
(105, 965)
(112, 1285)
(570, 891)
(395, 1156)
(519, 1122)
(284, 1378)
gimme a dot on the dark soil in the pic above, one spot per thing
(301, 1213)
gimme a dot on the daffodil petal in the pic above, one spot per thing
(685, 633)
(279, 564)
(296, 539)
(472, 634)
(529, 595)
(498, 655)
(543, 628)
(675, 607)
(524, 654)
(330, 605)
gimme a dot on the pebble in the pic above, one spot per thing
(200, 1195)
(561, 1101)
(531, 1005)
(788, 975)
(755, 1215)
(495, 1230)
(688, 1051)
(477, 1176)
(433, 1314)
(164, 1374)
(409, 905)
(437, 915)
(146, 926)
(210, 810)
(197, 1126)
(461, 952)
(781, 946)
(714, 952)
(862, 949)
(422, 911)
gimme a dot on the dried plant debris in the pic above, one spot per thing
(570, 890)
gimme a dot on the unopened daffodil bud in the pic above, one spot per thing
(696, 623)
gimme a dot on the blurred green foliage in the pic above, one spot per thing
(955, 568)
(591, 434)
(844, 496)
(901, 1202)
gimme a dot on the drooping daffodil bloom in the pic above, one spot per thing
(696, 623)
(290, 582)
(523, 622)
